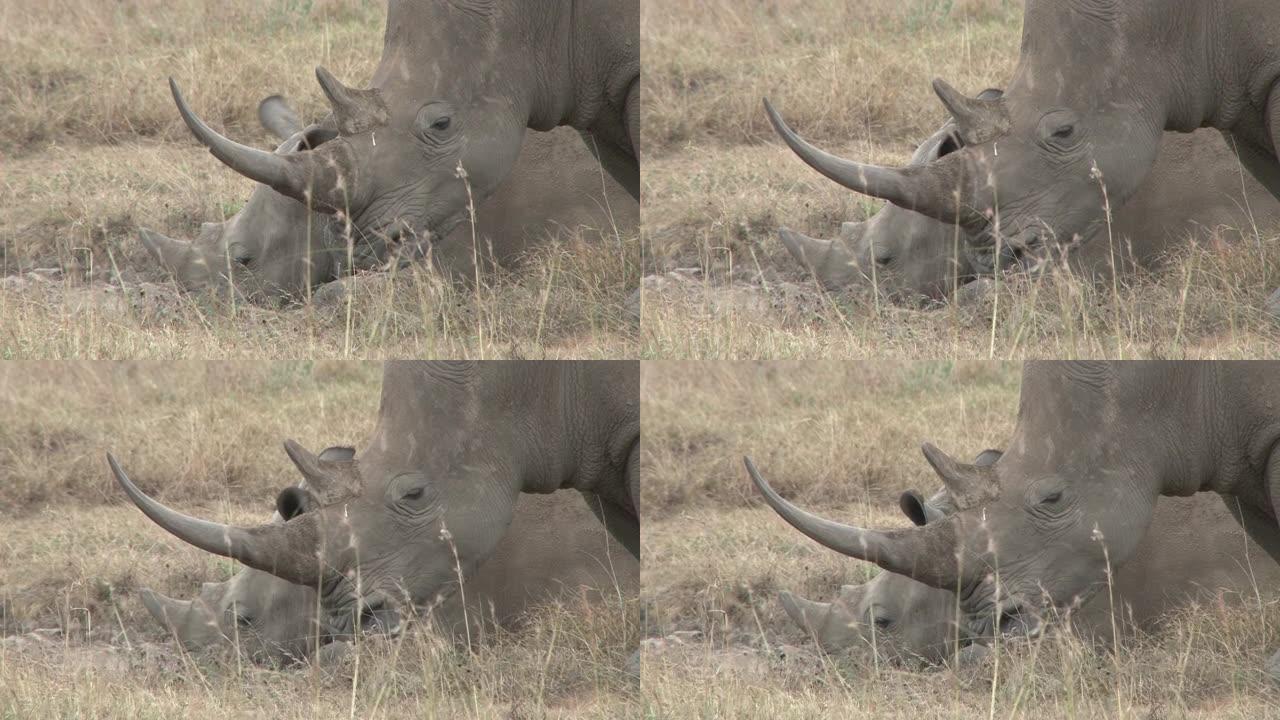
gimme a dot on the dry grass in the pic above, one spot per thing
(207, 436)
(92, 147)
(842, 438)
(854, 78)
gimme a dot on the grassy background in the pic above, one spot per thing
(92, 147)
(854, 79)
(206, 437)
(843, 439)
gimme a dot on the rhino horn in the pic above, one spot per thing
(164, 609)
(286, 550)
(809, 252)
(166, 251)
(927, 189)
(979, 119)
(294, 175)
(924, 553)
(341, 98)
(969, 484)
(806, 613)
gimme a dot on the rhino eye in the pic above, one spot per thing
(882, 623)
(1064, 132)
(441, 125)
(414, 494)
(1051, 499)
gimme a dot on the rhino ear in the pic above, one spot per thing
(278, 118)
(988, 457)
(918, 510)
(338, 453)
(294, 501)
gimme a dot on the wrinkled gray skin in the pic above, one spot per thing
(1194, 550)
(1196, 187)
(554, 549)
(1095, 445)
(459, 82)
(1097, 83)
(454, 446)
(275, 249)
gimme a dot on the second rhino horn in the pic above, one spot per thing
(970, 485)
(980, 119)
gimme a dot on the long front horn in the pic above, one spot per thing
(927, 189)
(287, 551)
(924, 553)
(297, 175)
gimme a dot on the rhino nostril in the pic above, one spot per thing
(379, 617)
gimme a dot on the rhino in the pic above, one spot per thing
(432, 491)
(458, 83)
(1195, 188)
(1095, 87)
(1095, 445)
(553, 550)
(276, 250)
(901, 619)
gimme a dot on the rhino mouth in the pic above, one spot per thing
(1018, 622)
(377, 614)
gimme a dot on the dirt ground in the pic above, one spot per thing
(853, 78)
(75, 639)
(842, 439)
(92, 148)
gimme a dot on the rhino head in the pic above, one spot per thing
(1094, 447)
(458, 84)
(432, 493)
(274, 247)
(890, 615)
(907, 255)
(1084, 108)
(269, 619)
(266, 617)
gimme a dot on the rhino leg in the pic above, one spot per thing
(1265, 532)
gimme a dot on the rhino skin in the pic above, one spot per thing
(1095, 445)
(458, 83)
(1096, 85)
(1196, 188)
(432, 491)
(1192, 552)
(554, 550)
(276, 250)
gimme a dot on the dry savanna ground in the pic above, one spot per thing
(75, 640)
(854, 79)
(843, 439)
(92, 147)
